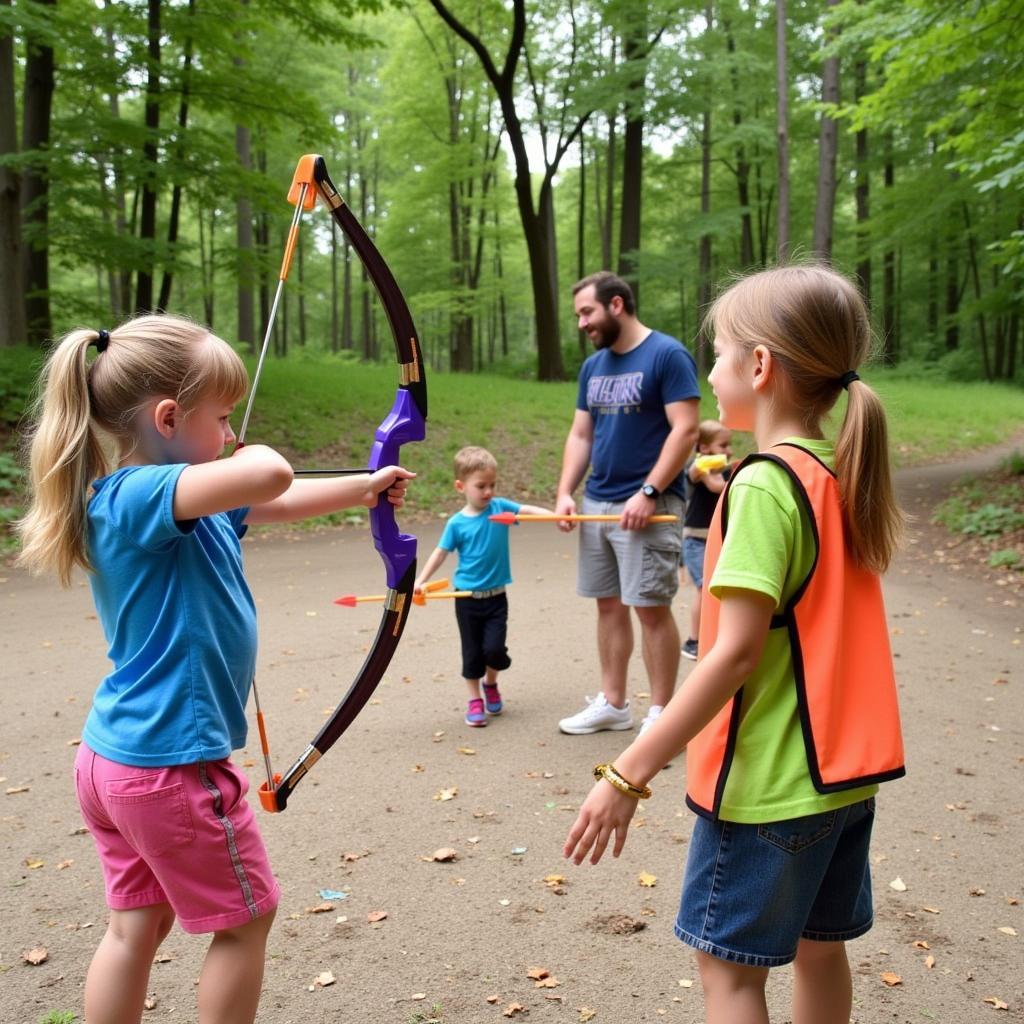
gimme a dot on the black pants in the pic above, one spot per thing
(483, 625)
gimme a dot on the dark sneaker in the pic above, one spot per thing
(689, 650)
(475, 713)
(492, 699)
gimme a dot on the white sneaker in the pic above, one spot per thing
(653, 714)
(596, 716)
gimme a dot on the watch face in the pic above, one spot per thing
(650, 490)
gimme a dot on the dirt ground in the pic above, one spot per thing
(461, 939)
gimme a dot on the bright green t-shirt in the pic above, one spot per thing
(769, 548)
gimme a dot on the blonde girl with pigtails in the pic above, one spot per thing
(127, 483)
(789, 720)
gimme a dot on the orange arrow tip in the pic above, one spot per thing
(346, 601)
(304, 176)
(508, 518)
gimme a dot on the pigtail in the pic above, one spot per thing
(65, 455)
(874, 521)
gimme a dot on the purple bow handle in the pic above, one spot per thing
(406, 422)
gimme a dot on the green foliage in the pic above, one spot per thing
(1007, 558)
(59, 1017)
(432, 1016)
(985, 507)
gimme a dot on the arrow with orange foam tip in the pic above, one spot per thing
(509, 518)
(711, 463)
(431, 590)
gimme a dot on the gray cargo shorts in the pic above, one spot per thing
(640, 567)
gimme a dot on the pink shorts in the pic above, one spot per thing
(183, 835)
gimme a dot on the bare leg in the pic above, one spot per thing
(473, 689)
(822, 988)
(614, 647)
(661, 651)
(232, 976)
(115, 987)
(733, 993)
(695, 614)
(491, 676)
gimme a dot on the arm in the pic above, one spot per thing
(534, 510)
(575, 459)
(432, 564)
(715, 482)
(305, 498)
(683, 418)
(744, 620)
(253, 475)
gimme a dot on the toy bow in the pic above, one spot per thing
(404, 423)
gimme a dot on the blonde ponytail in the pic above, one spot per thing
(815, 324)
(874, 521)
(66, 453)
(85, 419)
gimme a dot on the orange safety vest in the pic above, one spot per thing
(839, 641)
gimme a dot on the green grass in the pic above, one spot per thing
(321, 410)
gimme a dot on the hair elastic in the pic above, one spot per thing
(102, 340)
(848, 378)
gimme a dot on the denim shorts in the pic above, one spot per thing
(693, 559)
(751, 892)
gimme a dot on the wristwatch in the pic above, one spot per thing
(650, 491)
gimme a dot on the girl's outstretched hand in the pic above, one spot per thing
(392, 479)
(605, 811)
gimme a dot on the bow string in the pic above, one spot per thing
(405, 422)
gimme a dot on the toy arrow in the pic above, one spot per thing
(508, 518)
(433, 591)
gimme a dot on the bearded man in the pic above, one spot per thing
(635, 425)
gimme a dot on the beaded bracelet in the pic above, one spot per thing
(610, 773)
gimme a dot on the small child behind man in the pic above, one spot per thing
(485, 569)
(703, 489)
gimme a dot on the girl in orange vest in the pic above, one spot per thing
(789, 719)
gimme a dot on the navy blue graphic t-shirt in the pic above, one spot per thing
(626, 395)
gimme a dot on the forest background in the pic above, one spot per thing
(498, 151)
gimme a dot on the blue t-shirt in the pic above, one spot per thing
(482, 546)
(179, 620)
(626, 395)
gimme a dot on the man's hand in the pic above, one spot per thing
(637, 511)
(565, 506)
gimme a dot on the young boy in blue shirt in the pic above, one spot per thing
(485, 570)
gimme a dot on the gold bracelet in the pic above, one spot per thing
(610, 773)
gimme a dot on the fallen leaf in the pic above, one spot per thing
(891, 979)
(976, 892)
(512, 1009)
(321, 908)
(322, 980)
(931, 910)
(34, 865)
(35, 956)
(418, 995)
(473, 839)
(376, 915)
(1008, 931)
(350, 857)
(418, 768)
(898, 884)
(686, 983)
(929, 961)
(997, 1003)
(443, 855)
(554, 880)
(921, 945)
(504, 903)
(447, 794)
(536, 973)
(64, 864)
(551, 982)
(469, 751)
(493, 999)
(149, 1003)
(18, 789)
(646, 880)
(586, 1013)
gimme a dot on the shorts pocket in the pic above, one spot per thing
(152, 820)
(659, 572)
(797, 834)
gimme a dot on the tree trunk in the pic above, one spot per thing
(121, 295)
(890, 332)
(347, 335)
(335, 323)
(151, 164)
(828, 145)
(704, 285)
(581, 236)
(302, 291)
(972, 252)
(862, 192)
(742, 163)
(172, 225)
(782, 130)
(244, 242)
(635, 48)
(13, 327)
(35, 185)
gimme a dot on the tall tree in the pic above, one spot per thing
(12, 289)
(828, 145)
(35, 180)
(782, 128)
(151, 166)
